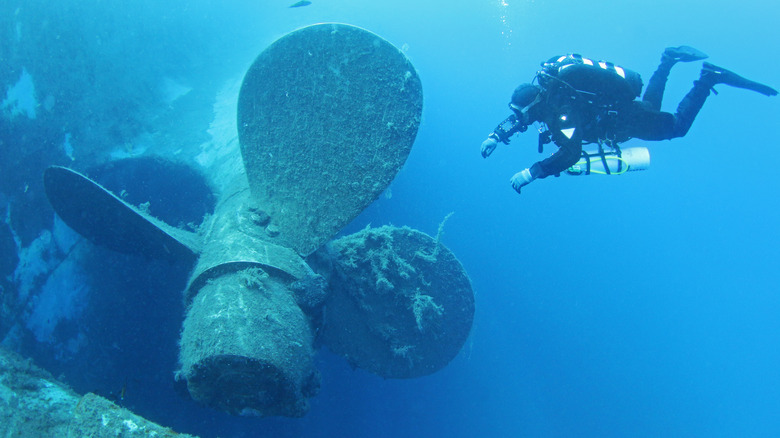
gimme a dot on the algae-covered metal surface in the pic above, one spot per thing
(34, 404)
(400, 304)
(237, 237)
(247, 347)
(326, 118)
(107, 220)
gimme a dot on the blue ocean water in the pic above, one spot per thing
(637, 305)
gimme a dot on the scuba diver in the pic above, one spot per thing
(580, 101)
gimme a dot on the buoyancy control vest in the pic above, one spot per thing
(598, 88)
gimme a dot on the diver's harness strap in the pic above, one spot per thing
(545, 136)
(601, 155)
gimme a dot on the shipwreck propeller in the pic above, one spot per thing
(327, 116)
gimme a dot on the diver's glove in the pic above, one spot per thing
(522, 179)
(489, 145)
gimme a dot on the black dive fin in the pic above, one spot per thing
(719, 75)
(685, 54)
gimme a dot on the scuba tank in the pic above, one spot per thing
(615, 162)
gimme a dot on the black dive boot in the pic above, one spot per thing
(685, 54)
(712, 74)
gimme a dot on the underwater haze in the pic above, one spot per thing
(641, 305)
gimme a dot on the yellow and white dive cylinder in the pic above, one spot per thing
(613, 162)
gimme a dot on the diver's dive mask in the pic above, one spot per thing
(522, 113)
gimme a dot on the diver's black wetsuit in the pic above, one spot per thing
(580, 100)
(646, 121)
(572, 122)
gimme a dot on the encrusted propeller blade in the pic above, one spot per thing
(326, 118)
(104, 219)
